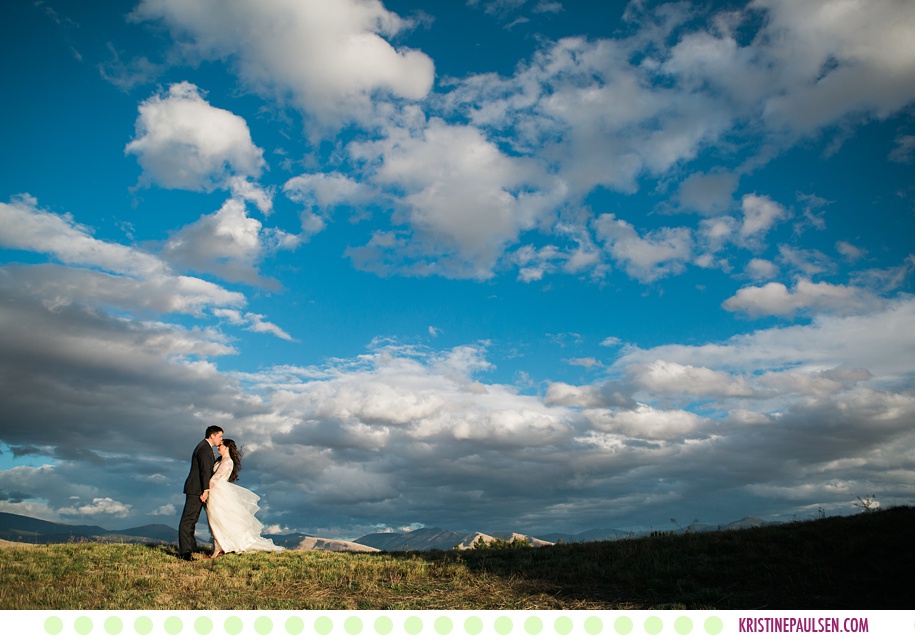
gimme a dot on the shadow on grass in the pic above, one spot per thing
(855, 562)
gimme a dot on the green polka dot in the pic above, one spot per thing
(173, 625)
(383, 625)
(295, 626)
(623, 625)
(714, 626)
(143, 625)
(593, 625)
(413, 625)
(263, 625)
(233, 625)
(653, 625)
(83, 625)
(683, 625)
(323, 625)
(203, 625)
(563, 625)
(353, 625)
(443, 625)
(473, 625)
(113, 625)
(533, 625)
(53, 625)
(503, 625)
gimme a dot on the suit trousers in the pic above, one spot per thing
(187, 543)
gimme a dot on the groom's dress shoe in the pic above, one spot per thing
(186, 556)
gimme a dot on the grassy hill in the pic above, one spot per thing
(833, 563)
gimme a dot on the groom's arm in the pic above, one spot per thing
(205, 462)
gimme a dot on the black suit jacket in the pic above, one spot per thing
(198, 480)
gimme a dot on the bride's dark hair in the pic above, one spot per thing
(235, 454)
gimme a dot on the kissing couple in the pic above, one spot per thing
(230, 508)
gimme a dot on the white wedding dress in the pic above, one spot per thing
(230, 512)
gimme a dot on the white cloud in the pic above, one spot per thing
(243, 189)
(876, 339)
(837, 58)
(775, 298)
(567, 395)
(100, 506)
(182, 142)
(253, 322)
(587, 363)
(380, 418)
(325, 191)
(850, 251)
(166, 510)
(140, 281)
(602, 120)
(810, 262)
(57, 286)
(760, 269)
(329, 55)
(463, 199)
(227, 243)
(645, 422)
(534, 263)
(671, 378)
(760, 213)
(655, 255)
(24, 226)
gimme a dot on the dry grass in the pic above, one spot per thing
(836, 563)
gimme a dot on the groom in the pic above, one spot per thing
(196, 489)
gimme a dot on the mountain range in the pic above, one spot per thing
(17, 528)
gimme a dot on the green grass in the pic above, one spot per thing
(834, 563)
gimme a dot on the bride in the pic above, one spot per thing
(231, 508)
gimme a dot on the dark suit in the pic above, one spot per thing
(198, 481)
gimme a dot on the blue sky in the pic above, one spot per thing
(483, 265)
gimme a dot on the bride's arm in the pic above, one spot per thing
(222, 472)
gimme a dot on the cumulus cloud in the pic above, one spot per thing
(98, 506)
(110, 273)
(645, 422)
(658, 253)
(324, 193)
(183, 142)
(579, 115)
(406, 430)
(463, 199)
(330, 56)
(760, 269)
(411, 431)
(672, 378)
(228, 244)
(602, 120)
(760, 213)
(23, 225)
(835, 59)
(874, 339)
(775, 298)
(166, 510)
